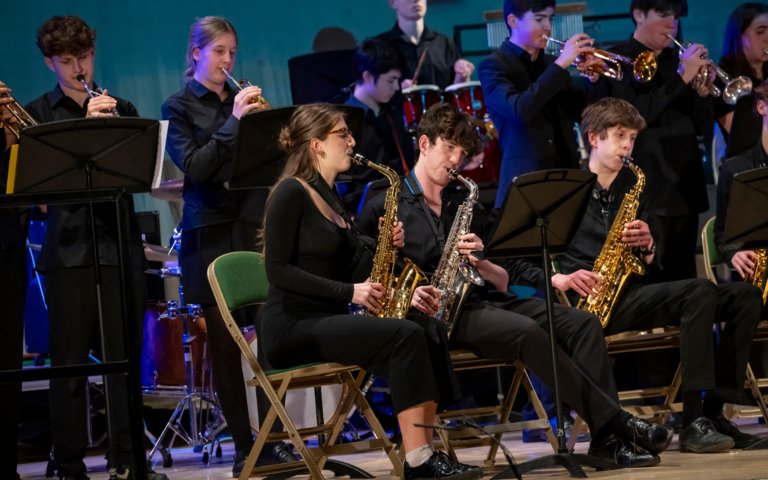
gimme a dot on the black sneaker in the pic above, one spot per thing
(740, 439)
(651, 436)
(74, 476)
(622, 453)
(701, 436)
(443, 467)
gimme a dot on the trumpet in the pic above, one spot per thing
(23, 118)
(95, 93)
(733, 88)
(242, 84)
(643, 66)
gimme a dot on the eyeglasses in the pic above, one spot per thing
(343, 133)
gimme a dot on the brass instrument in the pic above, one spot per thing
(616, 262)
(23, 118)
(399, 290)
(643, 66)
(733, 88)
(96, 93)
(760, 277)
(242, 84)
(454, 275)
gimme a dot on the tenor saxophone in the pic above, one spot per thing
(616, 262)
(454, 275)
(760, 277)
(399, 289)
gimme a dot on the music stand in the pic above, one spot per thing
(746, 224)
(258, 159)
(542, 211)
(89, 160)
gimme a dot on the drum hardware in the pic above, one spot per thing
(416, 100)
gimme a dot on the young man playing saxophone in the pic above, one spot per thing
(495, 324)
(610, 127)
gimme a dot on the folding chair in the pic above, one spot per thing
(238, 280)
(712, 259)
(469, 436)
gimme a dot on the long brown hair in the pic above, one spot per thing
(201, 33)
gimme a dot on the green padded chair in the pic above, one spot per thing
(712, 258)
(238, 280)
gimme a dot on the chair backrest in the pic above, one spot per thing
(238, 279)
(712, 254)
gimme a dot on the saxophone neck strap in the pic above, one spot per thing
(415, 187)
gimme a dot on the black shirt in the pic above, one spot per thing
(68, 233)
(438, 64)
(755, 157)
(202, 137)
(667, 150)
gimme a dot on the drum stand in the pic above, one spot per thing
(205, 425)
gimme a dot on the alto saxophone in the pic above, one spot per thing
(399, 290)
(760, 277)
(616, 262)
(454, 275)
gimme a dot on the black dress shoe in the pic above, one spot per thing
(125, 473)
(74, 476)
(701, 436)
(271, 454)
(622, 453)
(651, 436)
(740, 439)
(443, 467)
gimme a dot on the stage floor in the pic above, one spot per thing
(736, 464)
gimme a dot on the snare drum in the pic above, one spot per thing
(468, 97)
(162, 358)
(416, 100)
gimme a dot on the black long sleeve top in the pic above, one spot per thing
(308, 258)
(202, 138)
(68, 234)
(667, 150)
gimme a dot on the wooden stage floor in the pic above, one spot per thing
(736, 464)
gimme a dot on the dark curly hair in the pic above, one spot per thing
(444, 120)
(65, 35)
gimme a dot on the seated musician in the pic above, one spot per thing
(383, 139)
(530, 96)
(495, 324)
(436, 57)
(309, 248)
(743, 262)
(610, 127)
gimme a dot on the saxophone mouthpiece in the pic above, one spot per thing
(626, 160)
(358, 159)
(452, 173)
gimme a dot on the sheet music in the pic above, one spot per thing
(158, 176)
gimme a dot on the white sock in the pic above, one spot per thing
(419, 455)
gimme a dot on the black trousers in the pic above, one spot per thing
(676, 245)
(411, 355)
(13, 270)
(73, 315)
(695, 305)
(517, 330)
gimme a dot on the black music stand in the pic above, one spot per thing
(746, 221)
(90, 160)
(542, 211)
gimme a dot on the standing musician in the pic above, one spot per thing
(495, 324)
(743, 261)
(383, 139)
(610, 127)
(745, 52)
(13, 268)
(309, 251)
(202, 133)
(68, 47)
(668, 149)
(530, 96)
(437, 56)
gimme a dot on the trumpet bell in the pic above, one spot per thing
(736, 88)
(644, 66)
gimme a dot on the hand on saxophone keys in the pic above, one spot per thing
(637, 234)
(583, 282)
(469, 243)
(744, 262)
(426, 299)
(398, 233)
(368, 295)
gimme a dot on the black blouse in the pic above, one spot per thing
(308, 258)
